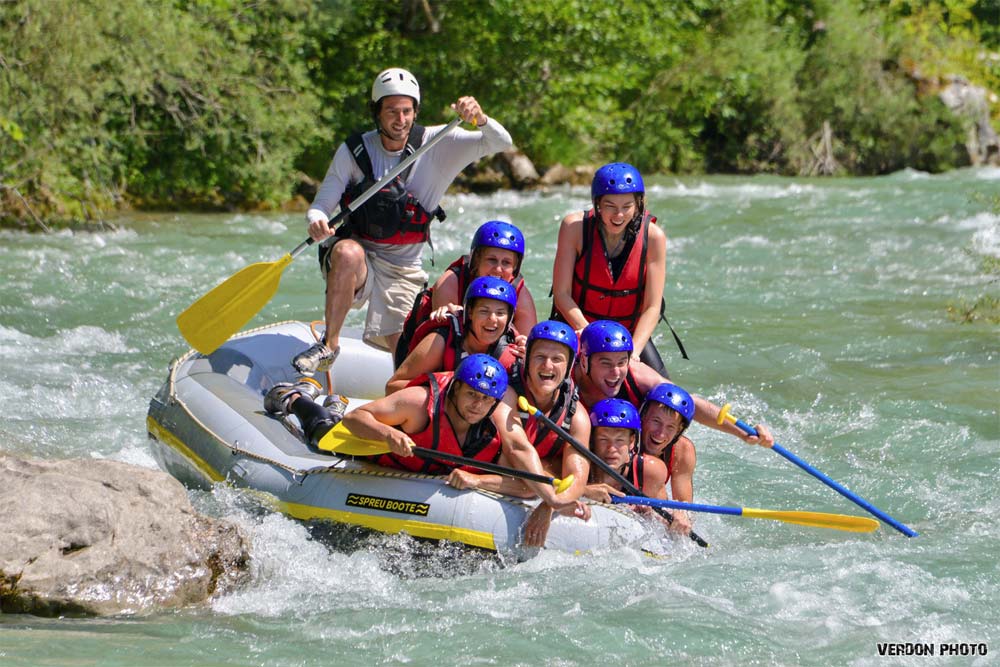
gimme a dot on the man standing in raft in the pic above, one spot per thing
(611, 261)
(376, 255)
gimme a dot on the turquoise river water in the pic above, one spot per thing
(819, 307)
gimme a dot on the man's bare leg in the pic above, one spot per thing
(347, 274)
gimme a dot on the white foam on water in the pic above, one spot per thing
(979, 221)
(751, 241)
(986, 241)
(909, 174)
(253, 225)
(66, 347)
(496, 203)
(745, 191)
(987, 173)
(137, 454)
(295, 575)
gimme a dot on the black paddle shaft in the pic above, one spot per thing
(617, 476)
(425, 453)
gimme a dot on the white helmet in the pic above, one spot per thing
(395, 81)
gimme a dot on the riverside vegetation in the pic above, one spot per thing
(223, 104)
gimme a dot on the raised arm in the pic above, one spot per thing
(705, 411)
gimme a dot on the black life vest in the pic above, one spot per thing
(393, 214)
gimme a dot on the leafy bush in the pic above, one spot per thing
(223, 103)
(168, 105)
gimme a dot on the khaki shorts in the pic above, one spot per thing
(389, 291)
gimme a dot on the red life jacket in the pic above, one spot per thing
(634, 471)
(422, 308)
(667, 455)
(393, 214)
(482, 442)
(453, 335)
(595, 290)
(545, 440)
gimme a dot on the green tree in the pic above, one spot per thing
(168, 104)
(223, 103)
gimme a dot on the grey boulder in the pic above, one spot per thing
(81, 537)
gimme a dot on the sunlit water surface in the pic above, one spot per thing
(816, 306)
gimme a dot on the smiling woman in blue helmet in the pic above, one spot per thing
(484, 326)
(611, 261)
(497, 249)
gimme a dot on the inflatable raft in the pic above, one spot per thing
(208, 425)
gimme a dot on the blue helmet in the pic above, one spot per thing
(616, 178)
(616, 413)
(491, 287)
(558, 332)
(605, 336)
(674, 398)
(499, 234)
(484, 374)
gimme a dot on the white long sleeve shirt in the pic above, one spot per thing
(429, 177)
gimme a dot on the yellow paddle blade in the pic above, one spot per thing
(563, 484)
(340, 440)
(854, 524)
(212, 319)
